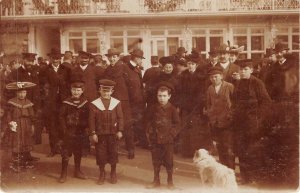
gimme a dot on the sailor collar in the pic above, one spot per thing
(15, 102)
(80, 104)
(112, 104)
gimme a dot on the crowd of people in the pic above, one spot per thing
(247, 110)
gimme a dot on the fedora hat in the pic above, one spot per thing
(55, 54)
(112, 51)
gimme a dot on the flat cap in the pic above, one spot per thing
(166, 84)
(215, 70)
(245, 63)
(107, 84)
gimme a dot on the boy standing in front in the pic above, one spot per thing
(106, 127)
(219, 113)
(73, 120)
(251, 105)
(162, 124)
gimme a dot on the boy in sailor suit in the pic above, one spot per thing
(106, 126)
(73, 121)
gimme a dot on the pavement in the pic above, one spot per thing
(133, 175)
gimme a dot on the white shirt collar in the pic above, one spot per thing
(83, 67)
(55, 68)
(282, 61)
(225, 65)
(217, 88)
(133, 63)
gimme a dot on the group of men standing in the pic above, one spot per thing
(263, 127)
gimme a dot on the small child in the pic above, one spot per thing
(162, 128)
(219, 113)
(20, 116)
(73, 119)
(106, 126)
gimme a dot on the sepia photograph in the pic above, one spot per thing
(189, 96)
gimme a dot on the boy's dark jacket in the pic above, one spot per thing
(259, 100)
(105, 121)
(73, 117)
(162, 123)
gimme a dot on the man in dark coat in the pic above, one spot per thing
(149, 79)
(134, 82)
(90, 74)
(56, 77)
(251, 105)
(283, 87)
(116, 73)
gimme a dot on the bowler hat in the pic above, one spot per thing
(84, 54)
(29, 56)
(55, 54)
(138, 53)
(19, 85)
(112, 51)
(193, 58)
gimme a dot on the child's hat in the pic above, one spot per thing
(77, 81)
(215, 70)
(166, 85)
(245, 63)
(19, 85)
(106, 84)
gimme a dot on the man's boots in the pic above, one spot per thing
(64, 168)
(102, 175)
(156, 180)
(113, 174)
(170, 179)
(78, 174)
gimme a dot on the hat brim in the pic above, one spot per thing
(20, 85)
(137, 55)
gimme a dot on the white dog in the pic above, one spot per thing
(213, 173)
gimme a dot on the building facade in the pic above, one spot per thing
(163, 25)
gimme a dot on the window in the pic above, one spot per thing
(252, 38)
(206, 39)
(125, 41)
(84, 40)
